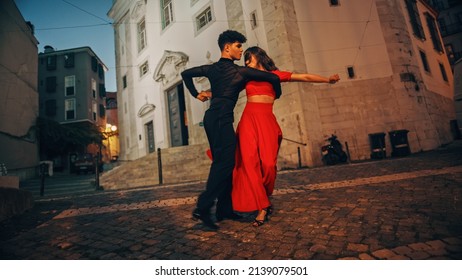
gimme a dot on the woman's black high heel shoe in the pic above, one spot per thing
(259, 223)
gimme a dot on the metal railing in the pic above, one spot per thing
(298, 150)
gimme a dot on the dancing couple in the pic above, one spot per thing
(243, 170)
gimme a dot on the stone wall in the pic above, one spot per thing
(13, 202)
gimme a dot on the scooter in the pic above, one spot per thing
(332, 153)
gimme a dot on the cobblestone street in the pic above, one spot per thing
(399, 208)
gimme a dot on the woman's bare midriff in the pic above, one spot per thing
(260, 99)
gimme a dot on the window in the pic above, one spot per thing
(93, 87)
(407, 77)
(94, 107)
(69, 60)
(51, 62)
(416, 23)
(253, 20)
(94, 64)
(449, 51)
(144, 68)
(204, 18)
(102, 91)
(442, 25)
(434, 33)
(69, 109)
(167, 12)
(423, 56)
(141, 35)
(334, 2)
(51, 84)
(50, 108)
(351, 72)
(69, 85)
(111, 103)
(443, 72)
(124, 81)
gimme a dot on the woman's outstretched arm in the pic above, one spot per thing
(313, 78)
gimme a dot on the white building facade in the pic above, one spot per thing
(394, 76)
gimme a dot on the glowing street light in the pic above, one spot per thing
(111, 130)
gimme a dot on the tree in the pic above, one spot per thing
(57, 139)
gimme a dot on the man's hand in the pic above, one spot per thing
(204, 95)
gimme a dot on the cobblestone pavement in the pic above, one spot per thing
(400, 208)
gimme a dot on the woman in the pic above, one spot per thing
(259, 137)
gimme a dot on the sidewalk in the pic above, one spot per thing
(400, 208)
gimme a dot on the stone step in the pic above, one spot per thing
(60, 185)
(179, 164)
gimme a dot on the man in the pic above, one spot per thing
(226, 80)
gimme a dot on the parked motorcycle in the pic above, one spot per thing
(333, 153)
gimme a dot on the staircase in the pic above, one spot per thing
(179, 164)
(60, 184)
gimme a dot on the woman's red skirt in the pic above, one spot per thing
(258, 140)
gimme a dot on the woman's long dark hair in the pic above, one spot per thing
(261, 57)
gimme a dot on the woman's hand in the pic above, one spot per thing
(334, 78)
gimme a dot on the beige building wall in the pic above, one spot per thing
(373, 37)
(18, 93)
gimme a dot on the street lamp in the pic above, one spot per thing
(111, 127)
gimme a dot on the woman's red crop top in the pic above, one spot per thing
(265, 88)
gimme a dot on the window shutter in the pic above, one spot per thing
(94, 64)
(102, 111)
(100, 71)
(51, 62)
(102, 91)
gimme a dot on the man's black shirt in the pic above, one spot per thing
(228, 79)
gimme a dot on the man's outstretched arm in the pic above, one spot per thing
(252, 74)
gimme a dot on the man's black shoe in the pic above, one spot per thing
(205, 218)
(232, 216)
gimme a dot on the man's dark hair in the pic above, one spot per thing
(229, 37)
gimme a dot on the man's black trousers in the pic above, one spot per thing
(218, 124)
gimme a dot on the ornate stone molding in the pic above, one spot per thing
(170, 66)
(145, 109)
(138, 10)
